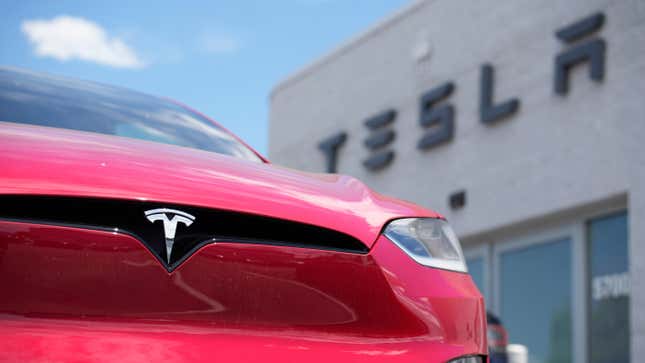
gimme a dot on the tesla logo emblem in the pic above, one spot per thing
(170, 218)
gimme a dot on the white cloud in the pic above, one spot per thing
(66, 38)
(220, 44)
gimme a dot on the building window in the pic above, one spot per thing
(562, 293)
(609, 289)
(476, 270)
(536, 299)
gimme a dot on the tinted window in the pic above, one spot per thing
(58, 102)
(536, 300)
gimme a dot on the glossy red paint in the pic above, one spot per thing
(82, 295)
(49, 161)
(73, 294)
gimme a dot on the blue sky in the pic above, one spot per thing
(219, 57)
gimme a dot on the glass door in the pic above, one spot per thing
(533, 296)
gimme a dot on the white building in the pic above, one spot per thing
(470, 114)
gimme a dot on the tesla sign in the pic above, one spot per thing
(436, 115)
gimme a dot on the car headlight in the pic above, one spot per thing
(429, 241)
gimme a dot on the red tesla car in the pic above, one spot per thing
(135, 229)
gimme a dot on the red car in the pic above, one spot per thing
(135, 229)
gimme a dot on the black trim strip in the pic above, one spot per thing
(209, 225)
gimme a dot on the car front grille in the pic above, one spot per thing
(207, 226)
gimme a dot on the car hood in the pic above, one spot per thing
(48, 161)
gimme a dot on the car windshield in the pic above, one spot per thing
(44, 100)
